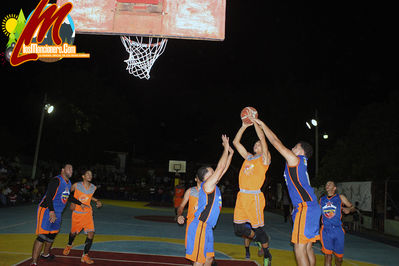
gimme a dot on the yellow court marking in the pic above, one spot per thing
(18, 247)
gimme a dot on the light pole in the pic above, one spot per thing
(46, 107)
(315, 123)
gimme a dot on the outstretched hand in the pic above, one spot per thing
(225, 141)
(255, 120)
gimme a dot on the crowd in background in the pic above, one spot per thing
(17, 188)
(14, 188)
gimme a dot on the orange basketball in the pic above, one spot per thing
(248, 112)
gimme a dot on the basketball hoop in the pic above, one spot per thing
(142, 56)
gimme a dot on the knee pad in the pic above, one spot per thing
(242, 230)
(40, 238)
(46, 237)
(261, 235)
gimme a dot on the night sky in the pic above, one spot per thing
(286, 59)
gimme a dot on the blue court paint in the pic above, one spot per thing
(113, 220)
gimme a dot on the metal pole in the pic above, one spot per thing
(39, 135)
(385, 201)
(317, 144)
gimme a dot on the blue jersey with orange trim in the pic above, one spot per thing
(331, 209)
(209, 206)
(61, 196)
(298, 184)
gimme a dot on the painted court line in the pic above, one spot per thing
(127, 261)
(15, 225)
(15, 253)
(111, 260)
(22, 261)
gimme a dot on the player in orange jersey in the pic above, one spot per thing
(83, 219)
(250, 201)
(190, 196)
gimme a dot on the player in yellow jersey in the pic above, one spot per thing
(250, 201)
(83, 219)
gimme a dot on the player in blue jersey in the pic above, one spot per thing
(332, 233)
(306, 214)
(199, 247)
(49, 213)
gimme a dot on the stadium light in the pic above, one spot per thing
(49, 108)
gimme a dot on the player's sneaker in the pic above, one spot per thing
(260, 249)
(48, 257)
(86, 259)
(67, 250)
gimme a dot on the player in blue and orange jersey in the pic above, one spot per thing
(250, 203)
(306, 214)
(82, 219)
(199, 247)
(49, 213)
(332, 233)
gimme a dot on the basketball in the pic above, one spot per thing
(248, 112)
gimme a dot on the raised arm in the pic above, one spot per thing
(211, 182)
(266, 154)
(237, 141)
(290, 157)
(230, 156)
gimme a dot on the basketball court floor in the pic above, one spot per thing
(131, 233)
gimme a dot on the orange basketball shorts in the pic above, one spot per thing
(82, 221)
(199, 242)
(249, 208)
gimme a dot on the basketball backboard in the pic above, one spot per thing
(181, 19)
(177, 166)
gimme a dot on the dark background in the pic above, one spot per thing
(285, 59)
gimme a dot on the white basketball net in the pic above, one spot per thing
(142, 55)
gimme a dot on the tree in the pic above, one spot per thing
(368, 151)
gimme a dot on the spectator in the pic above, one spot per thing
(356, 218)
